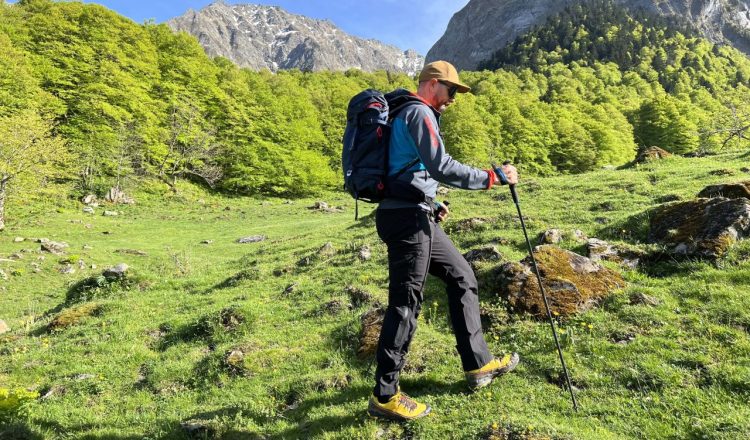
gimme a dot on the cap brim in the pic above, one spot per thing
(462, 88)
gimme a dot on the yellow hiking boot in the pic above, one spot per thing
(400, 408)
(494, 368)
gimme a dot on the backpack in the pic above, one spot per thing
(366, 144)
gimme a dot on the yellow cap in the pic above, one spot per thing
(444, 71)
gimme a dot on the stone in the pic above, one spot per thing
(3, 275)
(135, 252)
(601, 250)
(357, 296)
(579, 235)
(327, 250)
(486, 253)
(117, 272)
(364, 253)
(468, 224)
(641, 299)
(443, 191)
(652, 153)
(234, 361)
(83, 376)
(117, 196)
(87, 247)
(16, 256)
(3, 327)
(319, 205)
(573, 283)
(207, 241)
(89, 199)
(18, 240)
(290, 288)
(729, 190)
(251, 239)
(88, 210)
(372, 322)
(53, 247)
(67, 269)
(722, 172)
(110, 213)
(703, 228)
(551, 236)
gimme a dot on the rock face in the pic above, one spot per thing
(263, 37)
(728, 190)
(601, 250)
(701, 227)
(573, 283)
(485, 26)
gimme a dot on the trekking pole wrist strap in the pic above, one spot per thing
(501, 177)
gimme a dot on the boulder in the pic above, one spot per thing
(729, 190)
(573, 283)
(116, 195)
(700, 228)
(89, 199)
(551, 236)
(579, 235)
(110, 213)
(486, 253)
(652, 153)
(18, 240)
(117, 272)
(53, 247)
(358, 296)
(251, 239)
(364, 253)
(641, 299)
(3, 327)
(372, 322)
(327, 250)
(468, 224)
(88, 210)
(601, 250)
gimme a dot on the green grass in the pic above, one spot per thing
(155, 353)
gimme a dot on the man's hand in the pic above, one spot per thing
(441, 211)
(507, 174)
(511, 173)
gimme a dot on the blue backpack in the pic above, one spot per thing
(366, 144)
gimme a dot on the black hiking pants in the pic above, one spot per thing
(416, 246)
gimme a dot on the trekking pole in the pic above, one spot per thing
(541, 288)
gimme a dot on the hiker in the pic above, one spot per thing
(407, 221)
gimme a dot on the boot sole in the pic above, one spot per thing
(374, 411)
(477, 382)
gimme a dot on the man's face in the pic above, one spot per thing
(445, 94)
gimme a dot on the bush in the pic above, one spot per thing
(14, 403)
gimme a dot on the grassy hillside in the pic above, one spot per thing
(154, 352)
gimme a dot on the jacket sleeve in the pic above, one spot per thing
(442, 167)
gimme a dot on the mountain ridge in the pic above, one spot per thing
(268, 37)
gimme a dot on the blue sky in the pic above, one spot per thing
(407, 24)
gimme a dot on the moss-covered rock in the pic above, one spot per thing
(652, 153)
(573, 283)
(701, 228)
(729, 190)
(74, 315)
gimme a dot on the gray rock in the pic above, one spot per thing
(88, 210)
(116, 195)
(3, 327)
(110, 213)
(729, 190)
(319, 205)
(268, 37)
(486, 253)
(327, 250)
(251, 239)
(551, 236)
(83, 376)
(3, 275)
(135, 252)
(640, 298)
(18, 240)
(579, 235)
(15, 256)
(116, 272)
(364, 253)
(601, 250)
(207, 241)
(704, 228)
(67, 269)
(53, 247)
(89, 199)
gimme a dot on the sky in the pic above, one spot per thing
(406, 24)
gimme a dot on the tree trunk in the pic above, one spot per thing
(3, 183)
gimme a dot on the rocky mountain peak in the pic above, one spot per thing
(485, 26)
(268, 37)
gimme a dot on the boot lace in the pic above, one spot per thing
(407, 402)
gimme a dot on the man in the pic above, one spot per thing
(407, 223)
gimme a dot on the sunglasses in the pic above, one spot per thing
(452, 90)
